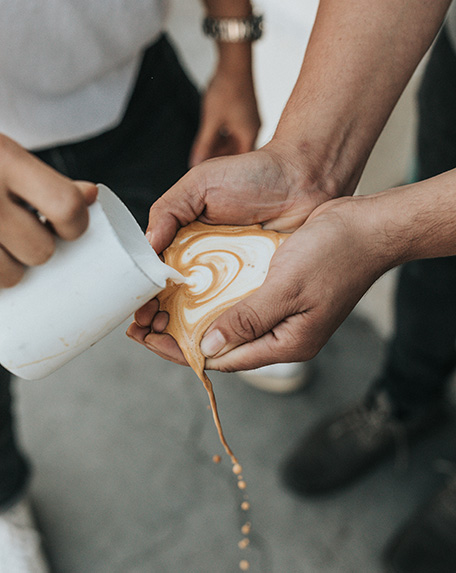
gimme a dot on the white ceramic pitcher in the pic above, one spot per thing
(86, 289)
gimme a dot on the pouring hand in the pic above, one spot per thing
(27, 187)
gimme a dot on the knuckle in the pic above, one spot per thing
(69, 208)
(71, 204)
(247, 324)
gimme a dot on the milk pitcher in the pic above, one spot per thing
(86, 289)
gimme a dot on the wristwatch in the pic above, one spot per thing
(234, 29)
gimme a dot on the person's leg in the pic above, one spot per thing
(408, 397)
(20, 544)
(422, 353)
(14, 469)
(427, 542)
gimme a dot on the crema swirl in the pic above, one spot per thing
(221, 265)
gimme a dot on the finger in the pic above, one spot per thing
(65, 208)
(11, 271)
(179, 206)
(55, 196)
(162, 344)
(160, 322)
(249, 319)
(247, 357)
(145, 315)
(24, 237)
(165, 346)
(137, 333)
(88, 190)
(293, 340)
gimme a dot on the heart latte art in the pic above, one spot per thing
(221, 265)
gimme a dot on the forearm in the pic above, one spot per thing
(234, 58)
(407, 223)
(360, 56)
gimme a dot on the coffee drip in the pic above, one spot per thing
(221, 265)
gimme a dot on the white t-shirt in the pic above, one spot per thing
(67, 67)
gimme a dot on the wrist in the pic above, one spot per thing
(235, 60)
(330, 141)
(417, 221)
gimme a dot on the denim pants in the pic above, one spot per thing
(422, 353)
(139, 160)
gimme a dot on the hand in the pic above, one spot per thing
(315, 279)
(28, 186)
(229, 119)
(276, 186)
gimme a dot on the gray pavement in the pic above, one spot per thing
(122, 443)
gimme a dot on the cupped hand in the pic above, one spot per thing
(315, 279)
(272, 186)
(36, 204)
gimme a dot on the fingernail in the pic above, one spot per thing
(212, 343)
(148, 236)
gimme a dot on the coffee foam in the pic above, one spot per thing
(221, 265)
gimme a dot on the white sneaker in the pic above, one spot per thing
(278, 378)
(20, 543)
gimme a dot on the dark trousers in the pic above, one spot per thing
(422, 352)
(139, 160)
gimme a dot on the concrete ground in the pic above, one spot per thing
(122, 441)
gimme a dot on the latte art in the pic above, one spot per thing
(221, 265)
(220, 269)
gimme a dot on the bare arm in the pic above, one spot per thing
(360, 56)
(359, 59)
(229, 117)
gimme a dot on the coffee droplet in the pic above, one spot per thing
(244, 565)
(242, 484)
(216, 459)
(244, 543)
(245, 529)
(245, 505)
(237, 469)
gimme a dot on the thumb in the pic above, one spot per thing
(244, 322)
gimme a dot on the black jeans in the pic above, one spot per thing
(422, 352)
(139, 160)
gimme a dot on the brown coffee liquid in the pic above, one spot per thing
(222, 264)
